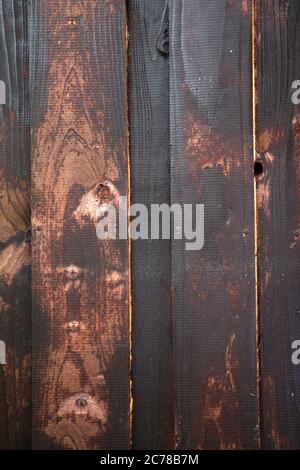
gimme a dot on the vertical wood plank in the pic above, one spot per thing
(80, 284)
(15, 297)
(151, 259)
(214, 307)
(277, 29)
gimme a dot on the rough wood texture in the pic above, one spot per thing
(15, 295)
(80, 284)
(277, 31)
(151, 259)
(212, 330)
(214, 309)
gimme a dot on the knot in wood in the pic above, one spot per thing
(102, 192)
(81, 402)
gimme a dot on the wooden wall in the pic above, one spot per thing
(15, 284)
(144, 344)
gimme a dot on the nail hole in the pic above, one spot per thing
(258, 168)
(165, 46)
(72, 22)
(81, 402)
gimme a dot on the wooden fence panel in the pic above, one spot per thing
(151, 259)
(15, 288)
(214, 301)
(277, 32)
(80, 284)
(146, 344)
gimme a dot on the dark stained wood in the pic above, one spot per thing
(205, 348)
(151, 259)
(214, 308)
(80, 284)
(15, 293)
(277, 32)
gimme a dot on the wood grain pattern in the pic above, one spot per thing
(277, 29)
(151, 259)
(214, 309)
(15, 294)
(210, 365)
(80, 284)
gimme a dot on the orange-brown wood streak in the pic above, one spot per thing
(80, 284)
(214, 308)
(277, 65)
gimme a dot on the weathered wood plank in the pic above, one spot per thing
(151, 259)
(277, 31)
(80, 284)
(15, 297)
(214, 308)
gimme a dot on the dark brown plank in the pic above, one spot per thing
(151, 259)
(214, 308)
(80, 284)
(277, 31)
(15, 297)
